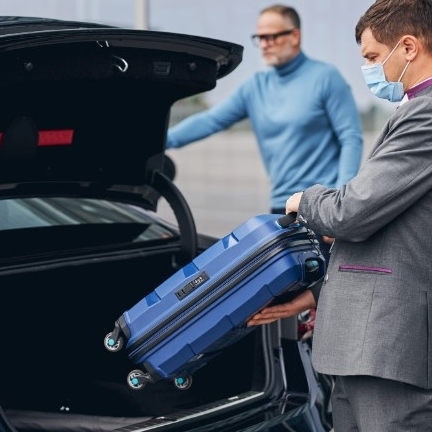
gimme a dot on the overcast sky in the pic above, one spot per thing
(327, 29)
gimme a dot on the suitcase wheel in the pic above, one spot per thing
(312, 266)
(183, 382)
(137, 379)
(112, 344)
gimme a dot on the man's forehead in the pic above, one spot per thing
(366, 49)
(368, 43)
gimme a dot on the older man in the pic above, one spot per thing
(301, 110)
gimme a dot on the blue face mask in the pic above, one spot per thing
(376, 81)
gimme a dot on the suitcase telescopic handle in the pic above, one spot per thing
(286, 220)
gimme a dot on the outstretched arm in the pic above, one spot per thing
(205, 123)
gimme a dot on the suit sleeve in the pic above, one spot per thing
(397, 173)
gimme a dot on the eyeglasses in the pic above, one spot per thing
(269, 38)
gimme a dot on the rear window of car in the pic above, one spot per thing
(35, 225)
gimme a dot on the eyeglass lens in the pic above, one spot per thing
(269, 38)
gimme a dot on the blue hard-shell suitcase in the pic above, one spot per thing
(204, 306)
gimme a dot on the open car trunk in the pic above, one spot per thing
(58, 376)
(56, 320)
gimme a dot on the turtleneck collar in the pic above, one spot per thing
(292, 65)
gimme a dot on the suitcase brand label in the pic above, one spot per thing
(192, 285)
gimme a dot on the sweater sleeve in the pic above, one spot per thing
(345, 120)
(203, 124)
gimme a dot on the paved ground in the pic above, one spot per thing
(223, 180)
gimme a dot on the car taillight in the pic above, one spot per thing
(53, 137)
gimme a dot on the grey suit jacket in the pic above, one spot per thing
(374, 314)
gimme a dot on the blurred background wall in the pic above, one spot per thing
(228, 184)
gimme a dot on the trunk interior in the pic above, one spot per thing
(54, 361)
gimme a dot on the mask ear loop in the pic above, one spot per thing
(404, 70)
(391, 52)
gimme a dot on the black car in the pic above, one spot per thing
(84, 110)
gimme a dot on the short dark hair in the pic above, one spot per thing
(286, 12)
(389, 20)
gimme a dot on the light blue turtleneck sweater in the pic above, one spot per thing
(305, 121)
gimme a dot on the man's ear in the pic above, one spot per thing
(412, 46)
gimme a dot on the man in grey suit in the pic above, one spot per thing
(373, 328)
